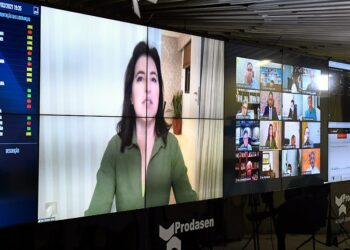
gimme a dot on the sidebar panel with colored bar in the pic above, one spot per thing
(19, 111)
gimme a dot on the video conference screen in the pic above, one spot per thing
(139, 103)
(338, 125)
(338, 148)
(128, 116)
(297, 79)
(277, 121)
(339, 91)
(108, 139)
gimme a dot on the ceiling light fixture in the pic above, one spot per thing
(135, 4)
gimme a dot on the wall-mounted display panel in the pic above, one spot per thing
(338, 148)
(19, 108)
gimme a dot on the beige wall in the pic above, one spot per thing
(171, 70)
(173, 77)
(187, 141)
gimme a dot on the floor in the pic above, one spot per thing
(292, 242)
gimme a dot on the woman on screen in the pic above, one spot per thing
(270, 140)
(143, 161)
(296, 79)
(293, 111)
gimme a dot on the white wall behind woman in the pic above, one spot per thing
(83, 62)
(70, 153)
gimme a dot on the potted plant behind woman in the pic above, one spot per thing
(177, 106)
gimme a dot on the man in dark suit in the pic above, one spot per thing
(292, 111)
(270, 112)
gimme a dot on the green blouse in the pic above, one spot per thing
(119, 177)
(271, 145)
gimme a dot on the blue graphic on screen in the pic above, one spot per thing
(19, 109)
(19, 66)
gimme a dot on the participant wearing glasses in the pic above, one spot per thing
(245, 146)
(243, 113)
(249, 79)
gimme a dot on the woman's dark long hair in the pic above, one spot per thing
(268, 134)
(126, 126)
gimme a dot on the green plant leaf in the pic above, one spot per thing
(177, 104)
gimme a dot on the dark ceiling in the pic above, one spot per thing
(317, 27)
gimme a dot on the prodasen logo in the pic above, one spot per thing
(166, 234)
(177, 227)
(340, 203)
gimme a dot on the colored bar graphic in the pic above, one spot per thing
(29, 123)
(1, 123)
(29, 118)
(29, 73)
(28, 133)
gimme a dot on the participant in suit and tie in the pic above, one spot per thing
(292, 111)
(270, 112)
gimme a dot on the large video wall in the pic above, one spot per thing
(89, 114)
(110, 93)
(106, 109)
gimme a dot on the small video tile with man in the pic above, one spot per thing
(247, 167)
(248, 104)
(247, 135)
(247, 73)
(270, 105)
(271, 77)
(292, 107)
(310, 135)
(291, 162)
(311, 161)
(291, 135)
